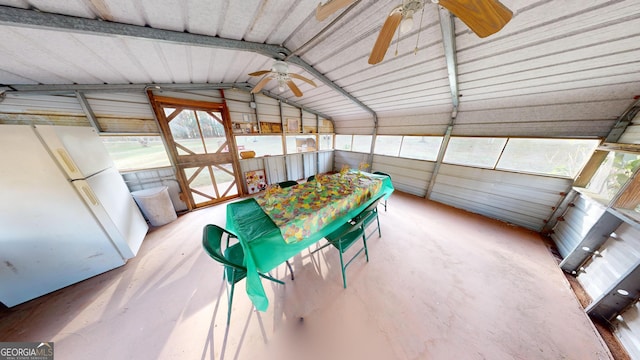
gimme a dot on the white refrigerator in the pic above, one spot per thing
(66, 214)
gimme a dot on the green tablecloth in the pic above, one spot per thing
(262, 240)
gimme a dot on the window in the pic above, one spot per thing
(388, 145)
(559, 157)
(262, 144)
(362, 143)
(614, 172)
(421, 147)
(326, 141)
(411, 147)
(481, 152)
(343, 142)
(301, 143)
(136, 152)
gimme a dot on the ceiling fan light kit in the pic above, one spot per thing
(280, 72)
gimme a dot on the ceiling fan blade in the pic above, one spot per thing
(259, 73)
(386, 34)
(260, 84)
(483, 17)
(294, 88)
(325, 10)
(300, 77)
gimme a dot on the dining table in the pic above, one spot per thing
(279, 223)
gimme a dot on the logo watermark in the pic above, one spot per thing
(26, 350)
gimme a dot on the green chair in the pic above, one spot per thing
(348, 234)
(232, 258)
(369, 215)
(385, 174)
(288, 183)
(343, 239)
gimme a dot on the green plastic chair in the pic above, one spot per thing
(385, 174)
(232, 258)
(343, 239)
(348, 234)
(288, 183)
(369, 215)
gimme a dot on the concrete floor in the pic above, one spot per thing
(441, 284)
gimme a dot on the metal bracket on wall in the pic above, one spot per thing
(596, 236)
(618, 297)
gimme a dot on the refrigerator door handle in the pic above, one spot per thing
(90, 195)
(66, 159)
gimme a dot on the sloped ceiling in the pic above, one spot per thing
(559, 68)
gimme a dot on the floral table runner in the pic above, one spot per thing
(303, 209)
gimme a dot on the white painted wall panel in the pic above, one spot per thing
(578, 220)
(295, 167)
(310, 164)
(618, 255)
(631, 134)
(325, 162)
(627, 330)
(268, 109)
(407, 175)
(41, 104)
(275, 169)
(351, 159)
(521, 199)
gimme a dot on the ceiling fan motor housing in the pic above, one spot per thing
(280, 67)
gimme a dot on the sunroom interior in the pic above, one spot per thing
(514, 158)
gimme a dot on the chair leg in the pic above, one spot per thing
(290, 269)
(378, 220)
(230, 298)
(344, 276)
(366, 251)
(269, 277)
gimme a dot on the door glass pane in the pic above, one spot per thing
(200, 184)
(204, 188)
(225, 180)
(168, 111)
(213, 132)
(186, 134)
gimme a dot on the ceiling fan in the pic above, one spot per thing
(279, 72)
(483, 17)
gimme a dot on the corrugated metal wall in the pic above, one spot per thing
(619, 254)
(42, 109)
(627, 330)
(148, 179)
(130, 112)
(348, 158)
(521, 199)
(408, 175)
(632, 132)
(578, 221)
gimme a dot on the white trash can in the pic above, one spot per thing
(156, 205)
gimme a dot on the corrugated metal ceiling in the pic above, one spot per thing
(562, 55)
